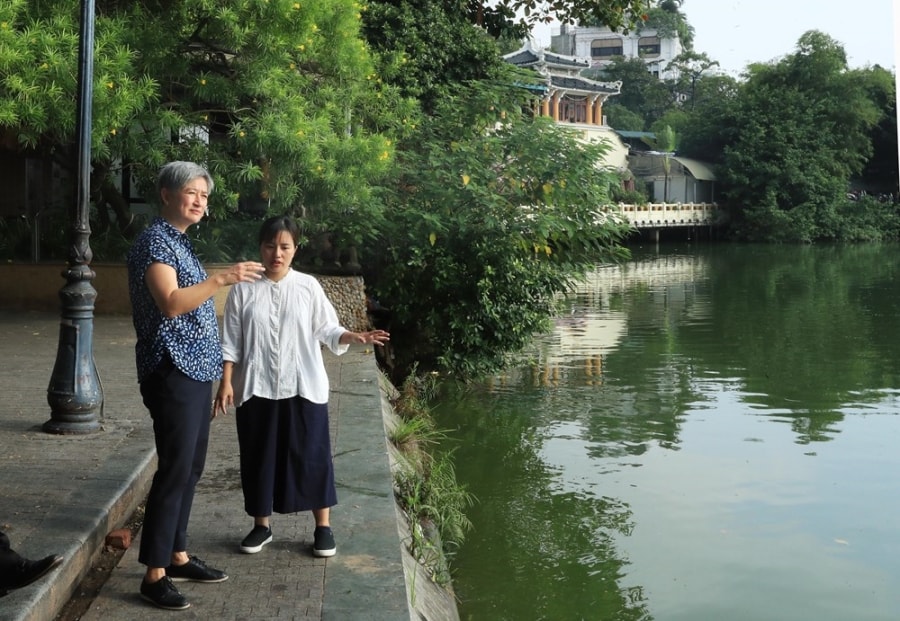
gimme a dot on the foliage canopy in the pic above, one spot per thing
(495, 213)
(278, 98)
(800, 130)
(789, 140)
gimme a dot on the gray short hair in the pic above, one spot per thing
(175, 175)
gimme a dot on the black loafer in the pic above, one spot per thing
(163, 594)
(195, 570)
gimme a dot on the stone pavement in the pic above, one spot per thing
(64, 494)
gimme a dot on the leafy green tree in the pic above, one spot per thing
(642, 93)
(800, 132)
(707, 129)
(622, 118)
(278, 98)
(617, 14)
(38, 60)
(690, 67)
(428, 49)
(880, 172)
(485, 225)
(669, 22)
(675, 119)
(494, 215)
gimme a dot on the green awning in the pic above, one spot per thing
(624, 133)
(700, 170)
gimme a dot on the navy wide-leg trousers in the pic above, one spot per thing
(286, 462)
(180, 409)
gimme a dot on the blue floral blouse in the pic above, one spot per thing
(191, 340)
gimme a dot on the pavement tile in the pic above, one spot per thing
(65, 493)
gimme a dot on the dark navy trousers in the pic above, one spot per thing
(286, 462)
(180, 409)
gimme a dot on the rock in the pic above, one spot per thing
(119, 539)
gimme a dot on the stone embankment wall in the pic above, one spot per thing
(36, 287)
(348, 294)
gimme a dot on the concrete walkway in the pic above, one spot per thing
(64, 494)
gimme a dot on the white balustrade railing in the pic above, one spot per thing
(661, 215)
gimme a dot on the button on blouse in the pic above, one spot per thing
(273, 332)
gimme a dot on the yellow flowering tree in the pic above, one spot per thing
(277, 97)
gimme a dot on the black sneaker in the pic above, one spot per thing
(195, 570)
(163, 594)
(258, 537)
(324, 542)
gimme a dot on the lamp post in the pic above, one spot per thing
(75, 395)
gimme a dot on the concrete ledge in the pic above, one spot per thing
(36, 286)
(381, 580)
(369, 584)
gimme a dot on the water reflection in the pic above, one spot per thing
(532, 521)
(697, 433)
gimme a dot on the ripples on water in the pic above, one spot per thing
(702, 436)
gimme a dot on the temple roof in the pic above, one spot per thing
(560, 71)
(525, 57)
(583, 84)
(529, 57)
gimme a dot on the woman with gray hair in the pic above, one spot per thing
(178, 359)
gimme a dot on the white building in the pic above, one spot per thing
(602, 46)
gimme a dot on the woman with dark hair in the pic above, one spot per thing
(178, 358)
(273, 332)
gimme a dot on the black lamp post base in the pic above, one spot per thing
(72, 427)
(75, 394)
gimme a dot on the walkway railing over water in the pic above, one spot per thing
(664, 215)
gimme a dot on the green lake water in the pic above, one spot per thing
(710, 432)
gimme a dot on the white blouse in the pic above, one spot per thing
(272, 333)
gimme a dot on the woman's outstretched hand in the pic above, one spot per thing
(245, 271)
(374, 337)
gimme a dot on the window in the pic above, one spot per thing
(648, 46)
(605, 48)
(573, 111)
